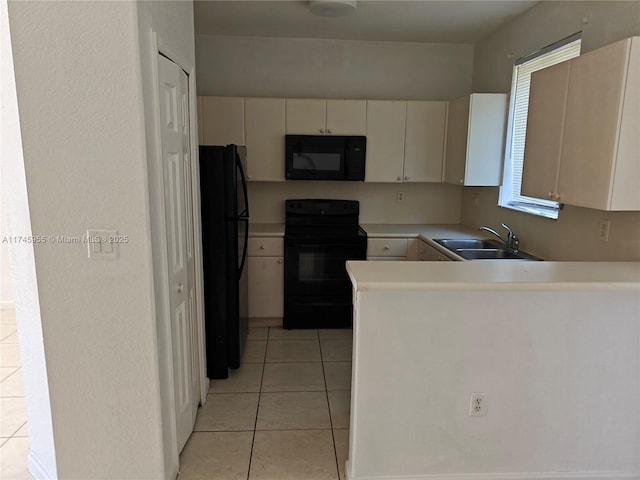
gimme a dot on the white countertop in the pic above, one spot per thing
(493, 275)
(424, 231)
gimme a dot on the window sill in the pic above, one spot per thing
(539, 212)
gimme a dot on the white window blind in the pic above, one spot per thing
(510, 192)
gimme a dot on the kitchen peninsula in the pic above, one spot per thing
(552, 349)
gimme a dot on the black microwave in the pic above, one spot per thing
(325, 157)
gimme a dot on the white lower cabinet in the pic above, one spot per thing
(265, 266)
(430, 254)
(387, 249)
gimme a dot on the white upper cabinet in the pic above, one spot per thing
(222, 120)
(346, 117)
(306, 116)
(385, 140)
(264, 132)
(543, 146)
(476, 128)
(310, 116)
(424, 141)
(599, 161)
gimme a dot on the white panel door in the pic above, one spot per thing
(176, 158)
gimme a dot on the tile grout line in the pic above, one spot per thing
(255, 423)
(326, 391)
(11, 374)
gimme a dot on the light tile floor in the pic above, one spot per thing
(283, 415)
(14, 436)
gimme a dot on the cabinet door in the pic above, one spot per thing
(222, 120)
(485, 139)
(591, 125)
(424, 141)
(305, 116)
(427, 253)
(346, 117)
(266, 287)
(385, 140)
(457, 131)
(264, 131)
(545, 124)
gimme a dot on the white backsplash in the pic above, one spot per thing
(423, 202)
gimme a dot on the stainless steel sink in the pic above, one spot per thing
(489, 254)
(482, 249)
(454, 244)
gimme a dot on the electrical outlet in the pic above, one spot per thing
(478, 404)
(399, 197)
(603, 232)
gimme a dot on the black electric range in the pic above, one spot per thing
(320, 236)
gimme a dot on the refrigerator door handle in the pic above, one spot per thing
(244, 187)
(246, 242)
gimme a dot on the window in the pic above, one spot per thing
(510, 196)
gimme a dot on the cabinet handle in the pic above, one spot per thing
(279, 260)
(329, 131)
(406, 178)
(558, 197)
(461, 180)
(550, 195)
(399, 179)
(261, 247)
(322, 130)
(386, 247)
(180, 288)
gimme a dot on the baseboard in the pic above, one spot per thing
(37, 470)
(7, 304)
(503, 476)
(265, 322)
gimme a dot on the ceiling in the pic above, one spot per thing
(449, 21)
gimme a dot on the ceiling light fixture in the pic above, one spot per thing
(332, 8)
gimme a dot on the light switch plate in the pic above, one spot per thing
(102, 244)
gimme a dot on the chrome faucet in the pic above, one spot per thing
(512, 242)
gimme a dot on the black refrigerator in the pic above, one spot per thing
(225, 227)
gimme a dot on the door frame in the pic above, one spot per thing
(160, 258)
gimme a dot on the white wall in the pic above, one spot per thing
(574, 236)
(560, 367)
(423, 203)
(6, 285)
(305, 67)
(15, 212)
(81, 97)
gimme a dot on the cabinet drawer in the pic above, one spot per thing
(387, 247)
(265, 247)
